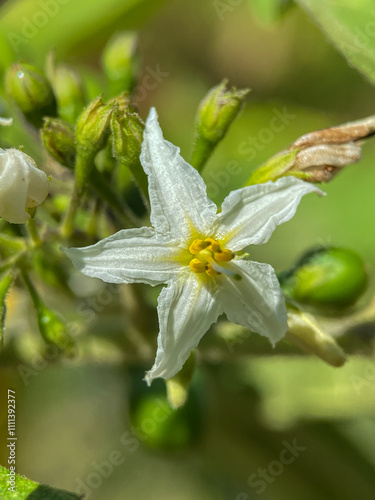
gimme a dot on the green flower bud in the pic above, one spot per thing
(92, 127)
(216, 113)
(92, 131)
(68, 88)
(327, 278)
(51, 328)
(120, 61)
(31, 91)
(59, 140)
(159, 426)
(54, 331)
(178, 386)
(127, 132)
(124, 103)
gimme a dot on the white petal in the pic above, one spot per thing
(129, 256)
(14, 182)
(186, 308)
(256, 301)
(38, 186)
(177, 191)
(22, 185)
(250, 215)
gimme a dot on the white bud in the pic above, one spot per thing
(22, 185)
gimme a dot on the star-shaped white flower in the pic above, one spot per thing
(196, 251)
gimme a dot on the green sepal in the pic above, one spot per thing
(274, 168)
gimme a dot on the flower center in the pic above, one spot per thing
(208, 258)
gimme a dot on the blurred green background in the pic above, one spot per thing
(71, 416)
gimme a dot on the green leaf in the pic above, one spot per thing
(30, 490)
(350, 26)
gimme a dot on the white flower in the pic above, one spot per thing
(22, 185)
(197, 253)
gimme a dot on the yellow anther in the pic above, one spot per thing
(211, 272)
(224, 256)
(197, 266)
(214, 245)
(197, 246)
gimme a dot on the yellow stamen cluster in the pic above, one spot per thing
(207, 254)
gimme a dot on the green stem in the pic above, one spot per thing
(5, 283)
(33, 232)
(11, 262)
(32, 290)
(92, 228)
(68, 223)
(12, 243)
(201, 153)
(122, 212)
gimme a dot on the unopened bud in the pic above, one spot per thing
(30, 90)
(92, 132)
(127, 131)
(23, 185)
(123, 103)
(178, 386)
(326, 278)
(120, 61)
(59, 140)
(216, 113)
(68, 88)
(54, 331)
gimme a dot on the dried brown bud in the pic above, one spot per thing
(323, 153)
(324, 161)
(318, 156)
(349, 132)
